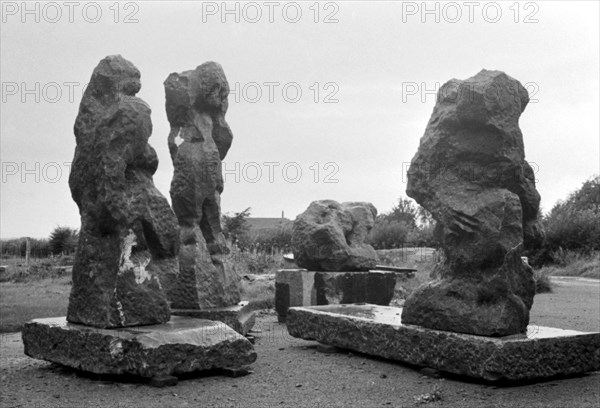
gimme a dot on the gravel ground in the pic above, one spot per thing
(290, 372)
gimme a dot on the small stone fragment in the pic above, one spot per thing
(163, 381)
(430, 372)
(327, 349)
(236, 372)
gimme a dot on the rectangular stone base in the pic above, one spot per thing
(299, 287)
(182, 345)
(240, 317)
(377, 330)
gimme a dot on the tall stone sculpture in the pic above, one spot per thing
(129, 234)
(470, 173)
(196, 103)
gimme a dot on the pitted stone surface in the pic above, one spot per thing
(196, 103)
(182, 345)
(378, 330)
(470, 173)
(129, 234)
(330, 236)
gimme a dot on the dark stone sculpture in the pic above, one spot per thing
(196, 103)
(470, 173)
(330, 236)
(129, 234)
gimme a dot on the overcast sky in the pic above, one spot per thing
(328, 100)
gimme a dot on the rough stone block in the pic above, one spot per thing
(182, 345)
(378, 330)
(299, 287)
(240, 317)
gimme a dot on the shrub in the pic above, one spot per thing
(542, 282)
(272, 239)
(387, 235)
(573, 224)
(63, 240)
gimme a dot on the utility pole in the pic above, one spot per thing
(27, 251)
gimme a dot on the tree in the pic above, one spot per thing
(235, 227)
(573, 224)
(404, 212)
(63, 240)
(406, 224)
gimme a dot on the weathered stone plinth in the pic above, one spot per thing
(240, 317)
(299, 287)
(377, 330)
(182, 345)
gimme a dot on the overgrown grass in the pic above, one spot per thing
(542, 282)
(421, 259)
(259, 289)
(257, 262)
(571, 263)
(16, 270)
(20, 302)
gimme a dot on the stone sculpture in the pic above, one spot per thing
(330, 236)
(127, 251)
(470, 173)
(129, 234)
(196, 103)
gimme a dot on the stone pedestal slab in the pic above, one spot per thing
(182, 345)
(299, 287)
(240, 317)
(377, 330)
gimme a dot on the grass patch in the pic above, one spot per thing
(15, 269)
(257, 262)
(259, 289)
(21, 302)
(542, 282)
(421, 259)
(574, 264)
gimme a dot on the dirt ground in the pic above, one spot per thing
(291, 373)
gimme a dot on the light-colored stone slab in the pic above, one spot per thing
(240, 317)
(182, 345)
(378, 330)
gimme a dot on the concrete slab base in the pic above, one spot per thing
(182, 345)
(299, 287)
(377, 330)
(240, 317)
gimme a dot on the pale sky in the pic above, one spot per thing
(377, 64)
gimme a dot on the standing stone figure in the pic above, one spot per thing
(196, 103)
(470, 173)
(129, 234)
